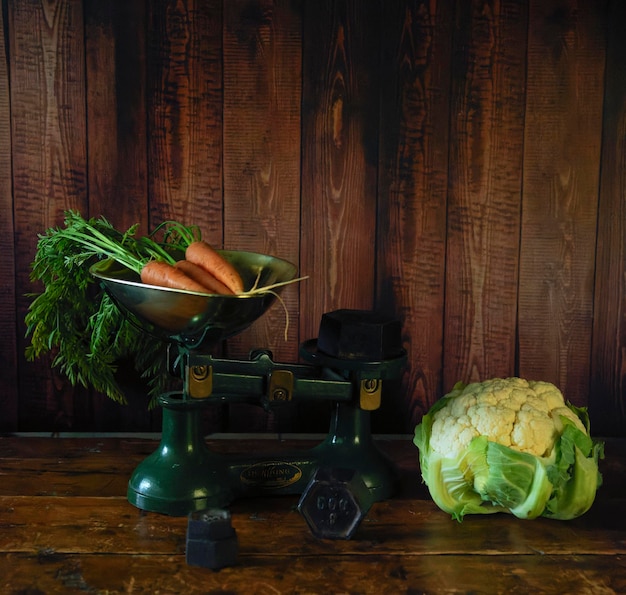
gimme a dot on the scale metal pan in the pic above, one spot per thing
(192, 318)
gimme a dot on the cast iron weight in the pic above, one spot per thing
(359, 335)
(336, 499)
(211, 539)
(335, 502)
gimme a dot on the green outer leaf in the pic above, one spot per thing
(538, 494)
(574, 473)
(452, 491)
(578, 494)
(450, 480)
(513, 480)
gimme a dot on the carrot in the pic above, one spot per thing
(202, 276)
(163, 274)
(201, 254)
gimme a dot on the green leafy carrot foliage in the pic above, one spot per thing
(75, 321)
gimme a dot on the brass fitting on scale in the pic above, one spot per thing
(363, 343)
(357, 344)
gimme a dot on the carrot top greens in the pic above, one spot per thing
(76, 321)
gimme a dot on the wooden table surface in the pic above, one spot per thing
(66, 527)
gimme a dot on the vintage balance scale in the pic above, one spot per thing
(347, 364)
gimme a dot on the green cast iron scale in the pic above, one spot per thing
(355, 352)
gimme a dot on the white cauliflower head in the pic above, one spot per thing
(521, 414)
(509, 445)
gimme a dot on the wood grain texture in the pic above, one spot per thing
(565, 87)
(49, 167)
(607, 398)
(340, 139)
(413, 179)
(60, 536)
(96, 525)
(455, 164)
(486, 140)
(184, 102)
(262, 94)
(115, 50)
(341, 99)
(9, 399)
(51, 572)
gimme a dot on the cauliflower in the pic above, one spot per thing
(525, 415)
(509, 445)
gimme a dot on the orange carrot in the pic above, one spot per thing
(202, 276)
(201, 254)
(163, 274)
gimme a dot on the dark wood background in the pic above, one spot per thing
(459, 164)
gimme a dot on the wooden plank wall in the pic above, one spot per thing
(459, 164)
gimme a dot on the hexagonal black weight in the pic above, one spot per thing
(335, 502)
(359, 335)
(211, 539)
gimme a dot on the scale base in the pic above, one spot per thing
(193, 488)
(183, 475)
